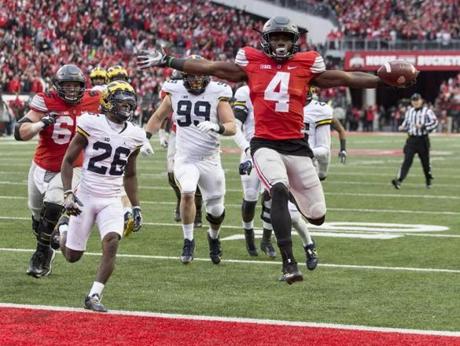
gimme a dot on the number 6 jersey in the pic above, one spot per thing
(54, 140)
(106, 154)
(189, 110)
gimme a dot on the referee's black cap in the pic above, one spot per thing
(416, 97)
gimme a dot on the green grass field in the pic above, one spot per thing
(393, 275)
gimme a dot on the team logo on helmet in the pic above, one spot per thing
(119, 99)
(70, 92)
(279, 25)
(194, 84)
(117, 72)
(98, 76)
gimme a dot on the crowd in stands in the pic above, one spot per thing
(37, 37)
(397, 19)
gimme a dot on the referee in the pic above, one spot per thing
(419, 120)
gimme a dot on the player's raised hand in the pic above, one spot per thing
(150, 58)
(72, 204)
(343, 156)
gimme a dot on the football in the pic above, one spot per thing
(397, 73)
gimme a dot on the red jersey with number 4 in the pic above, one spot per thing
(278, 90)
(54, 140)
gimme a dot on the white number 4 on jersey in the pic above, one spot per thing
(277, 90)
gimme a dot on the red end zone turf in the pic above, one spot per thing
(44, 327)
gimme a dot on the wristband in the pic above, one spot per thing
(221, 129)
(343, 144)
(148, 134)
(36, 127)
(175, 63)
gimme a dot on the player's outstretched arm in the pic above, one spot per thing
(335, 78)
(157, 118)
(221, 69)
(337, 125)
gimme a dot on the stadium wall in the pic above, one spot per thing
(318, 28)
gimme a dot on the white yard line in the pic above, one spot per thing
(268, 262)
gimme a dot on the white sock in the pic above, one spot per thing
(248, 225)
(96, 289)
(188, 231)
(301, 227)
(213, 234)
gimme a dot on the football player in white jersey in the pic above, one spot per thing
(202, 112)
(110, 145)
(242, 107)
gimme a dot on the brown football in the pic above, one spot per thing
(397, 73)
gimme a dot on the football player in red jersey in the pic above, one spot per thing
(278, 77)
(53, 116)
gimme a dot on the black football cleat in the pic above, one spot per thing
(291, 273)
(250, 244)
(36, 264)
(94, 303)
(215, 251)
(187, 251)
(312, 256)
(268, 249)
(396, 183)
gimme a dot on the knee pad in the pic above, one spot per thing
(51, 214)
(281, 190)
(251, 195)
(317, 222)
(266, 208)
(248, 206)
(216, 220)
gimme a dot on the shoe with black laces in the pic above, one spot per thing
(94, 303)
(250, 244)
(291, 273)
(187, 251)
(396, 183)
(268, 249)
(312, 256)
(36, 264)
(215, 251)
(48, 262)
(129, 224)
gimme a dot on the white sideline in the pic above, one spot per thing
(323, 265)
(240, 320)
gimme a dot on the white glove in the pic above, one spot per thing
(343, 156)
(72, 204)
(153, 57)
(207, 127)
(163, 138)
(146, 149)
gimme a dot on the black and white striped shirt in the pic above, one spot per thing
(423, 117)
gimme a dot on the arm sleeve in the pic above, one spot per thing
(322, 142)
(239, 138)
(38, 103)
(431, 123)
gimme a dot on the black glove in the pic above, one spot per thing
(245, 167)
(72, 204)
(137, 216)
(49, 119)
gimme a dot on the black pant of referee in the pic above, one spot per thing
(415, 145)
